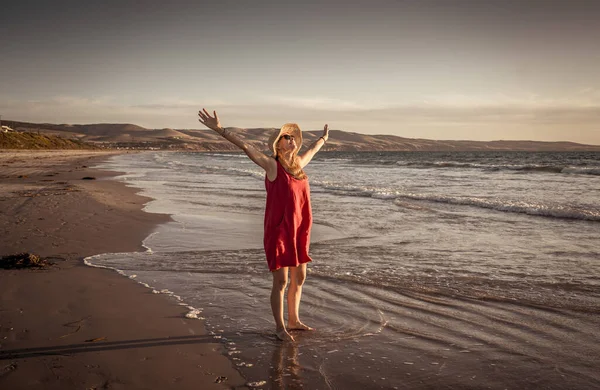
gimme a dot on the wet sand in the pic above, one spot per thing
(72, 326)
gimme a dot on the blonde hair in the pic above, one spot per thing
(293, 167)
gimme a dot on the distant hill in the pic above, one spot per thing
(132, 136)
(14, 140)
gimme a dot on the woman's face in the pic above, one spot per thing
(286, 143)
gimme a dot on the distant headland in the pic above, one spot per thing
(129, 136)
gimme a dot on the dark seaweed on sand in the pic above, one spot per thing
(23, 260)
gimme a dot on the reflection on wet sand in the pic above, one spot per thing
(285, 367)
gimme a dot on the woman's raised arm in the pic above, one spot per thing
(314, 148)
(212, 122)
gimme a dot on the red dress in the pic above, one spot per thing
(288, 220)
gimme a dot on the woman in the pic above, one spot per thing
(288, 215)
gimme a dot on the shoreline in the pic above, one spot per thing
(405, 301)
(75, 326)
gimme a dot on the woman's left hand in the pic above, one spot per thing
(326, 132)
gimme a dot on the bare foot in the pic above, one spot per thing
(299, 326)
(283, 335)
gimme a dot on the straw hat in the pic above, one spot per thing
(288, 128)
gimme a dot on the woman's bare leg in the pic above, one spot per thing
(297, 277)
(280, 278)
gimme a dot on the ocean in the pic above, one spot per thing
(430, 269)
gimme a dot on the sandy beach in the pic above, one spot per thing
(392, 308)
(73, 326)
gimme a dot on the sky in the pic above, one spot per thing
(443, 69)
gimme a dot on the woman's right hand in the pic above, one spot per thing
(212, 122)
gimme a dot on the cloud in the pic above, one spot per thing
(583, 98)
(79, 110)
(312, 102)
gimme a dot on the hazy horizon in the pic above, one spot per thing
(461, 70)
